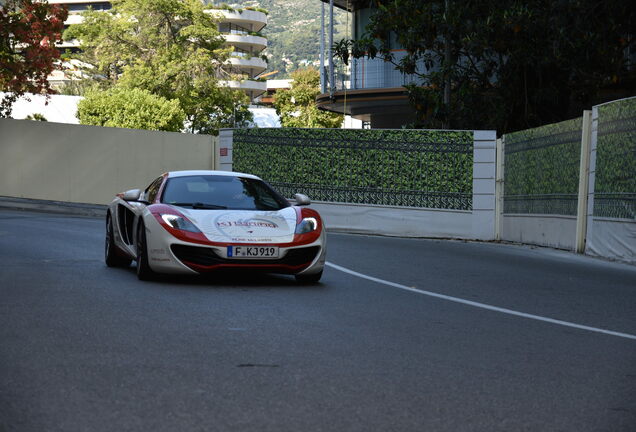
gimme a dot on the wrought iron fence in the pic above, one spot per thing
(560, 204)
(615, 182)
(615, 205)
(411, 168)
(542, 169)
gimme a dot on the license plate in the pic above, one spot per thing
(252, 252)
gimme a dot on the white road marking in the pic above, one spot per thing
(482, 305)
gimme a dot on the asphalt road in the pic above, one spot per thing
(87, 348)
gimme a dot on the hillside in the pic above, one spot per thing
(293, 32)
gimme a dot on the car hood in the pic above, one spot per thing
(245, 226)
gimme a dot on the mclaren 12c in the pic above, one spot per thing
(190, 222)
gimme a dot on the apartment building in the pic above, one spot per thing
(240, 28)
(370, 90)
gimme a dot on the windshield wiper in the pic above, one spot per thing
(200, 205)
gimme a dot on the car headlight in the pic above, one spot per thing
(307, 225)
(180, 223)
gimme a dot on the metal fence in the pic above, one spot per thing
(615, 183)
(542, 169)
(410, 168)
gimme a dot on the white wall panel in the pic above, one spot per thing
(90, 164)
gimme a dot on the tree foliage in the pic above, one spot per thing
(171, 48)
(508, 64)
(296, 107)
(36, 117)
(130, 108)
(29, 30)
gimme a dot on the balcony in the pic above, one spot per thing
(253, 20)
(365, 73)
(248, 65)
(246, 42)
(251, 87)
(370, 90)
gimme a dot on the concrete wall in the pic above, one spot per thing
(606, 237)
(544, 230)
(90, 164)
(478, 224)
(396, 221)
(484, 164)
(612, 238)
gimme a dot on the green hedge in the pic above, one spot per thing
(542, 165)
(411, 163)
(615, 183)
(542, 169)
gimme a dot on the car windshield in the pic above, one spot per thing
(221, 192)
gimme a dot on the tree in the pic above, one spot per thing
(171, 48)
(36, 117)
(130, 108)
(29, 30)
(504, 64)
(296, 107)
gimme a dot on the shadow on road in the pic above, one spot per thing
(225, 279)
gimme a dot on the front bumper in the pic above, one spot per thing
(203, 259)
(167, 254)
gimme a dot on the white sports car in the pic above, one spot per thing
(189, 222)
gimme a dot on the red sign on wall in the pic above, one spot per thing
(223, 151)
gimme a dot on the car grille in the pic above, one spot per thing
(207, 257)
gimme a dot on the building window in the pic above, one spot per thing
(233, 29)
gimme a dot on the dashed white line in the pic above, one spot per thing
(482, 305)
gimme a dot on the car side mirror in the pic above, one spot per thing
(132, 195)
(302, 199)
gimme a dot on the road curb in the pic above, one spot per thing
(59, 207)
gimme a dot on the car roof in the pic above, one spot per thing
(173, 174)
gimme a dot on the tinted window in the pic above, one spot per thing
(222, 192)
(152, 190)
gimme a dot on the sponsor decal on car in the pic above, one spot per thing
(247, 224)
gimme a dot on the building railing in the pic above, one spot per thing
(365, 73)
